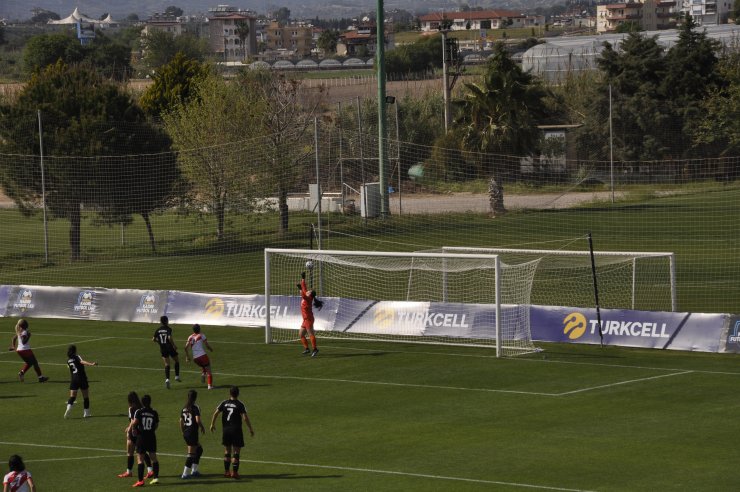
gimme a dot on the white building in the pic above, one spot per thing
(707, 12)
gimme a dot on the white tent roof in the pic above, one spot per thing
(76, 17)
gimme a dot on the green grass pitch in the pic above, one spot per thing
(382, 416)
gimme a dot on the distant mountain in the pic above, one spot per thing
(21, 9)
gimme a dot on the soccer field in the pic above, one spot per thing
(380, 416)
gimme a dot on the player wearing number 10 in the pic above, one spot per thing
(145, 421)
(233, 439)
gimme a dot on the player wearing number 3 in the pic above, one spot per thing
(145, 423)
(308, 300)
(78, 381)
(233, 438)
(197, 340)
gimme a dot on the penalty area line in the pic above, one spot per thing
(611, 385)
(301, 465)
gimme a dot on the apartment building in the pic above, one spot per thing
(225, 33)
(649, 15)
(479, 19)
(294, 40)
(707, 12)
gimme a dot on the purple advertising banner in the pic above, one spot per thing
(4, 292)
(245, 310)
(648, 329)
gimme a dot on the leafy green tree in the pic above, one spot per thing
(174, 83)
(161, 47)
(719, 128)
(85, 116)
(111, 58)
(242, 31)
(627, 27)
(419, 56)
(635, 74)
(211, 133)
(282, 15)
(133, 17)
(173, 11)
(286, 120)
(2, 35)
(691, 74)
(327, 41)
(47, 49)
(44, 17)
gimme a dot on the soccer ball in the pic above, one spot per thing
(309, 265)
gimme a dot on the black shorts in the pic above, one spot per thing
(78, 384)
(233, 437)
(191, 438)
(146, 443)
(131, 437)
(168, 351)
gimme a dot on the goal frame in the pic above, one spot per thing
(543, 252)
(318, 253)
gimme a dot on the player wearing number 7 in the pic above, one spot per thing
(146, 421)
(234, 411)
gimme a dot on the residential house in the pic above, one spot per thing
(479, 19)
(649, 15)
(293, 40)
(706, 12)
(362, 41)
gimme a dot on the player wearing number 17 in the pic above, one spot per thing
(145, 423)
(233, 412)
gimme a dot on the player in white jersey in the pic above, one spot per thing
(197, 341)
(19, 479)
(21, 344)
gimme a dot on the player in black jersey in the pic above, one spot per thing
(190, 424)
(145, 422)
(134, 403)
(78, 381)
(163, 336)
(233, 412)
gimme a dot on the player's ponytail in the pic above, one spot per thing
(71, 351)
(192, 396)
(317, 303)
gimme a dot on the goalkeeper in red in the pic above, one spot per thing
(308, 301)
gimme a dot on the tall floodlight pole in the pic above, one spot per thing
(380, 53)
(43, 187)
(446, 87)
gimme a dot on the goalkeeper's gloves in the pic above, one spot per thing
(298, 285)
(303, 275)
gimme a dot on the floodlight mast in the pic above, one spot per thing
(380, 54)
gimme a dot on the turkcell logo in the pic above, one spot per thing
(735, 335)
(384, 317)
(214, 307)
(575, 325)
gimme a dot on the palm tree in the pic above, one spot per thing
(242, 30)
(500, 114)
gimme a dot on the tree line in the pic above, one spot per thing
(668, 104)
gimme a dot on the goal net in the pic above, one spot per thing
(626, 280)
(436, 298)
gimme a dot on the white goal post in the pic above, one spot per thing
(626, 279)
(428, 297)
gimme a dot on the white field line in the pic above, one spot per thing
(611, 385)
(66, 344)
(303, 465)
(44, 460)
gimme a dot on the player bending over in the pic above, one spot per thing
(308, 300)
(197, 340)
